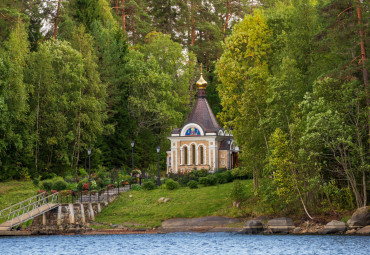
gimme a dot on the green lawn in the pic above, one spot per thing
(142, 209)
(12, 192)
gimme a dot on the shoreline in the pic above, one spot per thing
(158, 231)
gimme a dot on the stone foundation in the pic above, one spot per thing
(67, 218)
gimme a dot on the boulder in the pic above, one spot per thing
(297, 230)
(351, 232)
(334, 227)
(360, 218)
(281, 225)
(253, 227)
(364, 231)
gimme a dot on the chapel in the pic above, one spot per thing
(201, 143)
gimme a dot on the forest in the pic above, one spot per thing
(288, 78)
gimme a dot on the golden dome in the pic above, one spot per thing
(201, 83)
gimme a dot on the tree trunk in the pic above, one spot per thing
(116, 6)
(255, 180)
(37, 127)
(56, 21)
(226, 19)
(123, 16)
(363, 60)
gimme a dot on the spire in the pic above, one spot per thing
(201, 83)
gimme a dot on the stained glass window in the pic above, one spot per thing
(192, 131)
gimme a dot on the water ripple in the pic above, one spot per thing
(186, 243)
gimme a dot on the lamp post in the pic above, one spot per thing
(89, 152)
(158, 177)
(132, 154)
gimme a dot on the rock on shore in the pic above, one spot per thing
(360, 218)
(281, 225)
(334, 227)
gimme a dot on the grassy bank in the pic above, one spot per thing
(12, 192)
(140, 209)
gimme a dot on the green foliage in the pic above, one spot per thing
(36, 182)
(192, 184)
(171, 184)
(47, 185)
(59, 185)
(149, 185)
(210, 180)
(238, 191)
(136, 187)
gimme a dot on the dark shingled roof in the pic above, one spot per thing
(176, 131)
(203, 116)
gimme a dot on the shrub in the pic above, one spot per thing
(193, 184)
(203, 172)
(221, 178)
(211, 180)
(36, 182)
(66, 193)
(238, 192)
(183, 180)
(69, 178)
(150, 185)
(85, 186)
(46, 185)
(59, 185)
(82, 172)
(203, 181)
(136, 187)
(106, 181)
(79, 185)
(171, 184)
(46, 175)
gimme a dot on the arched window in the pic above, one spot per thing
(193, 148)
(201, 155)
(186, 155)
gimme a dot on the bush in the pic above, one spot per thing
(106, 181)
(149, 185)
(183, 180)
(193, 184)
(81, 183)
(238, 192)
(69, 178)
(211, 180)
(46, 185)
(171, 184)
(136, 187)
(36, 182)
(203, 173)
(59, 185)
(221, 178)
(46, 175)
(203, 181)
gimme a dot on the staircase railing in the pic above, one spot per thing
(28, 209)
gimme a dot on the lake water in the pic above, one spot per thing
(186, 243)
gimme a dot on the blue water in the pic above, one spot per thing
(186, 243)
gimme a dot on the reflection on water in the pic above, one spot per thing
(186, 243)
